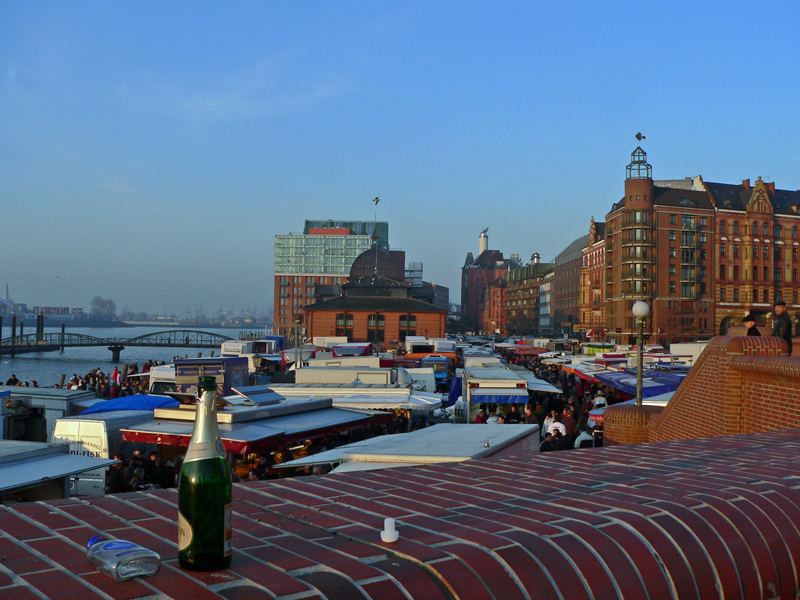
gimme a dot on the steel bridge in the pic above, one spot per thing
(52, 341)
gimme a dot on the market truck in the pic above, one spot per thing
(229, 371)
(98, 435)
(491, 385)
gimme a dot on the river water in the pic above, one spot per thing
(47, 367)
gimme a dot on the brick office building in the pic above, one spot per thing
(522, 296)
(700, 253)
(475, 275)
(567, 286)
(593, 278)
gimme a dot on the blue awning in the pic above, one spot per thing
(500, 395)
(135, 402)
(625, 381)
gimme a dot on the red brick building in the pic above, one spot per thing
(701, 254)
(375, 308)
(593, 279)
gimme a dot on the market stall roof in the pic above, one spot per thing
(440, 443)
(27, 464)
(248, 436)
(499, 395)
(626, 382)
(369, 396)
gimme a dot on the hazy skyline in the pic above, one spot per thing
(151, 151)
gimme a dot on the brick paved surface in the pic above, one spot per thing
(706, 518)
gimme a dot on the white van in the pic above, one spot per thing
(97, 435)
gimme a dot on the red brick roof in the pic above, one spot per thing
(713, 517)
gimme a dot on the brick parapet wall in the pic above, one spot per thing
(734, 387)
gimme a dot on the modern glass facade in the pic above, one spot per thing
(318, 254)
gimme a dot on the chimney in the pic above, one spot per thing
(770, 187)
(483, 242)
(746, 184)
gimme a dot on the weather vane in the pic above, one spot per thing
(639, 136)
(485, 229)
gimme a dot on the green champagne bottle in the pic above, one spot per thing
(204, 491)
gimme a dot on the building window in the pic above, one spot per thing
(794, 232)
(722, 250)
(736, 251)
(735, 227)
(672, 269)
(794, 275)
(722, 294)
(735, 294)
(755, 295)
(777, 232)
(778, 274)
(755, 273)
(375, 327)
(722, 227)
(766, 296)
(777, 252)
(794, 253)
(703, 221)
(672, 220)
(766, 251)
(408, 326)
(765, 229)
(671, 236)
(736, 272)
(794, 297)
(755, 250)
(672, 252)
(671, 287)
(344, 325)
(766, 273)
(722, 271)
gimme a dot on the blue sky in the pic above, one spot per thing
(151, 151)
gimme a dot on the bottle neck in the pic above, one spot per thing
(205, 442)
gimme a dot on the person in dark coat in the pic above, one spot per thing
(783, 324)
(750, 325)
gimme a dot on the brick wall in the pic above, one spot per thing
(738, 385)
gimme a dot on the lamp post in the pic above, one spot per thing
(297, 320)
(640, 310)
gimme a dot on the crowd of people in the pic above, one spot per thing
(113, 384)
(139, 473)
(563, 418)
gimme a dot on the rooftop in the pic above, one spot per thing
(713, 517)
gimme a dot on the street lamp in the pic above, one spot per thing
(297, 320)
(640, 310)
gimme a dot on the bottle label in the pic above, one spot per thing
(203, 450)
(228, 529)
(185, 533)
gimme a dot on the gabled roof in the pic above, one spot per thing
(377, 303)
(735, 197)
(488, 259)
(667, 196)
